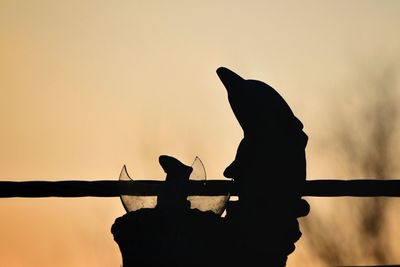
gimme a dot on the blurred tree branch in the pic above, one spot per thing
(364, 135)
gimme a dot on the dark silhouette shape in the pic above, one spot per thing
(174, 196)
(111, 188)
(171, 234)
(269, 171)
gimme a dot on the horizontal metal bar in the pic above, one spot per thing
(103, 188)
(352, 188)
(370, 266)
(109, 188)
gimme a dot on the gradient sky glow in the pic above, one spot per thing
(87, 86)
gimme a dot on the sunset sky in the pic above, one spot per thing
(88, 86)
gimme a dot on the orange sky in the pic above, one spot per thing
(87, 86)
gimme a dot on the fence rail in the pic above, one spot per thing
(109, 188)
